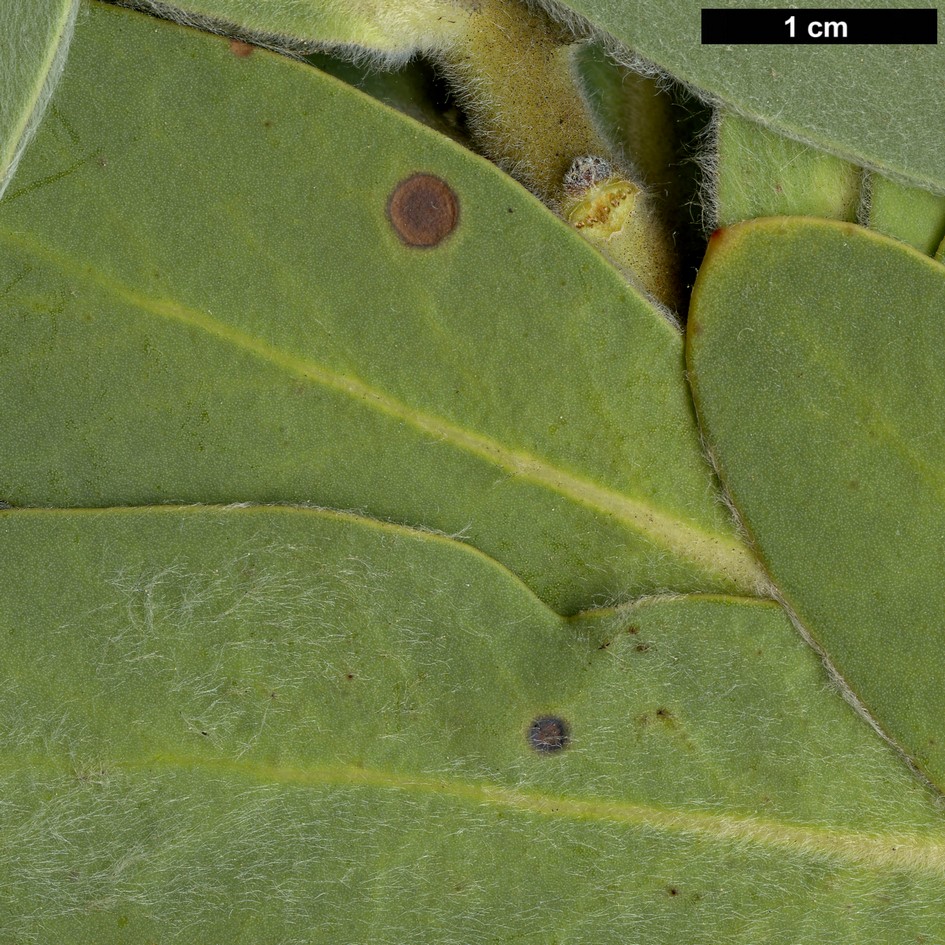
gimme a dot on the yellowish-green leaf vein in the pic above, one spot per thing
(35, 101)
(923, 854)
(716, 553)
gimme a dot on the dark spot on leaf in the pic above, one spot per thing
(267, 123)
(423, 210)
(633, 631)
(548, 733)
(241, 49)
(854, 484)
(673, 891)
(664, 714)
(642, 648)
(349, 676)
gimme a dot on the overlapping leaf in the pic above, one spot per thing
(282, 725)
(206, 302)
(759, 173)
(815, 351)
(34, 41)
(837, 97)
(834, 96)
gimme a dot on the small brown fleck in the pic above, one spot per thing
(642, 648)
(673, 891)
(241, 49)
(633, 631)
(423, 210)
(548, 733)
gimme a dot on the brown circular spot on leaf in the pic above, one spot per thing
(548, 733)
(423, 210)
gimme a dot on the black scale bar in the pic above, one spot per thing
(731, 27)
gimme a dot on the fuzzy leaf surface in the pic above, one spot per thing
(836, 97)
(815, 351)
(206, 302)
(368, 29)
(763, 174)
(279, 725)
(34, 41)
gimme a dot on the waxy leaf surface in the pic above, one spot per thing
(205, 301)
(815, 351)
(280, 725)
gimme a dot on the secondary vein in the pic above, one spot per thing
(909, 851)
(718, 554)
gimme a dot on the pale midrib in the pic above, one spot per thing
(876, 851)
(36, 93)
(717, 554)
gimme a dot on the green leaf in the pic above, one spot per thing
(835, 97)
(815, 351)
(34, 41)
(909, 214)
(868, 104)
(207, 302)
(280, 725)
(760, 173)
(370, 29)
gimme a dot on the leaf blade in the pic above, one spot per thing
(392, 767)
(835, 98)
(309, 335)
(834, 457)
(34, 42)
